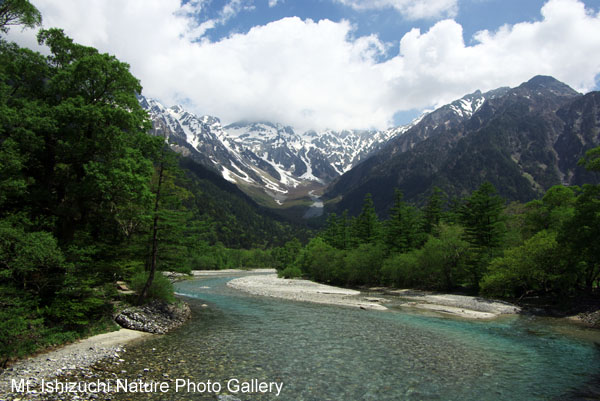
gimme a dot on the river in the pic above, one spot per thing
(320, 352)
(316, 209)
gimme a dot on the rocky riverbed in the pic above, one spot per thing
(304, 290)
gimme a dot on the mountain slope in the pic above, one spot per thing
(523, 140)
(230, 216)
(270, 162)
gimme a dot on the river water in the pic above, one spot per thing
(320, 352)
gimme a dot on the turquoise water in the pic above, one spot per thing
(334, 353)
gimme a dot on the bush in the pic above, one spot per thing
(364, 264)
(318, 261)
(161, 287)
(290, 272)
(536, 267)
(401, 270)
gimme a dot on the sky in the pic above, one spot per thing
(332, 64)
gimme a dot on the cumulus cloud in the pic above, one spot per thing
(319, 74)
(411, 9)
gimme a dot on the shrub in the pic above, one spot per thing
(290, 272)
(364, 264)
(161, 287)
(401, 270)
(537, 266)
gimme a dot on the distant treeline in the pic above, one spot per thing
(548, 247)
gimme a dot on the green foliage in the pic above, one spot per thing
(444, 261)
(20, 324)
(581, 237)
(591, 160)
(290, 272)
(402, 270)
(363, 264)
(536, 267)
(366, 228)
(18, 12)
(75, 193)
(550, 246)
(320, 261)
(481, 215)
(551, 212)
(283, 257)
(432, 212)
(403, 229)
(161, 287)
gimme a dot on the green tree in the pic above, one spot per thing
(402, 229)
(581, 236)
(18, 12)
(444, 261)
(537, 267)
(591, 160)
(432, 213)
(366, 227)
(481, 215)
(551, 212)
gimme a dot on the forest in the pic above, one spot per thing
(546, 248)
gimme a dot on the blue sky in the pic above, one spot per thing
(333, 63)
(388, 24)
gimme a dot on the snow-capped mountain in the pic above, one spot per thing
(523, 140)
(262, 157)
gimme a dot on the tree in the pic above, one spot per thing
(444, 260)
(552, 211)
(537, 267)
(481, 215)
(591, 160)
(581, 235)
(432, 213)
(75, 188)
(366, 228)
(402, 228)
(18, 12)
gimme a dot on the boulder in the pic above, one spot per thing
(156, 317)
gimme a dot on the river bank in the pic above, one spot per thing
(78, 359)
(304, 290)
(69, 358)
(269, 285)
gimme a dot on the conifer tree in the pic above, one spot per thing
(481, 215)
(432, 213)
(366, 226)
(402, 229)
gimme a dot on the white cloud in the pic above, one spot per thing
(411, 9)
(317, 74)
(273, 3)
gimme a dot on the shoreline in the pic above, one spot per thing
(308, 291)
(66, 359)
(270, 285)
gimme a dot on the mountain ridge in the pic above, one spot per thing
(270, 162)
(516, 139)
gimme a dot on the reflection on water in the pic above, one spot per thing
(334, 353)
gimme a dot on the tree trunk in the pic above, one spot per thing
(154, 236)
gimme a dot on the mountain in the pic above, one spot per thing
(523, 140)
(272, 163)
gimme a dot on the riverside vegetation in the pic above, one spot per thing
(548, 248)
